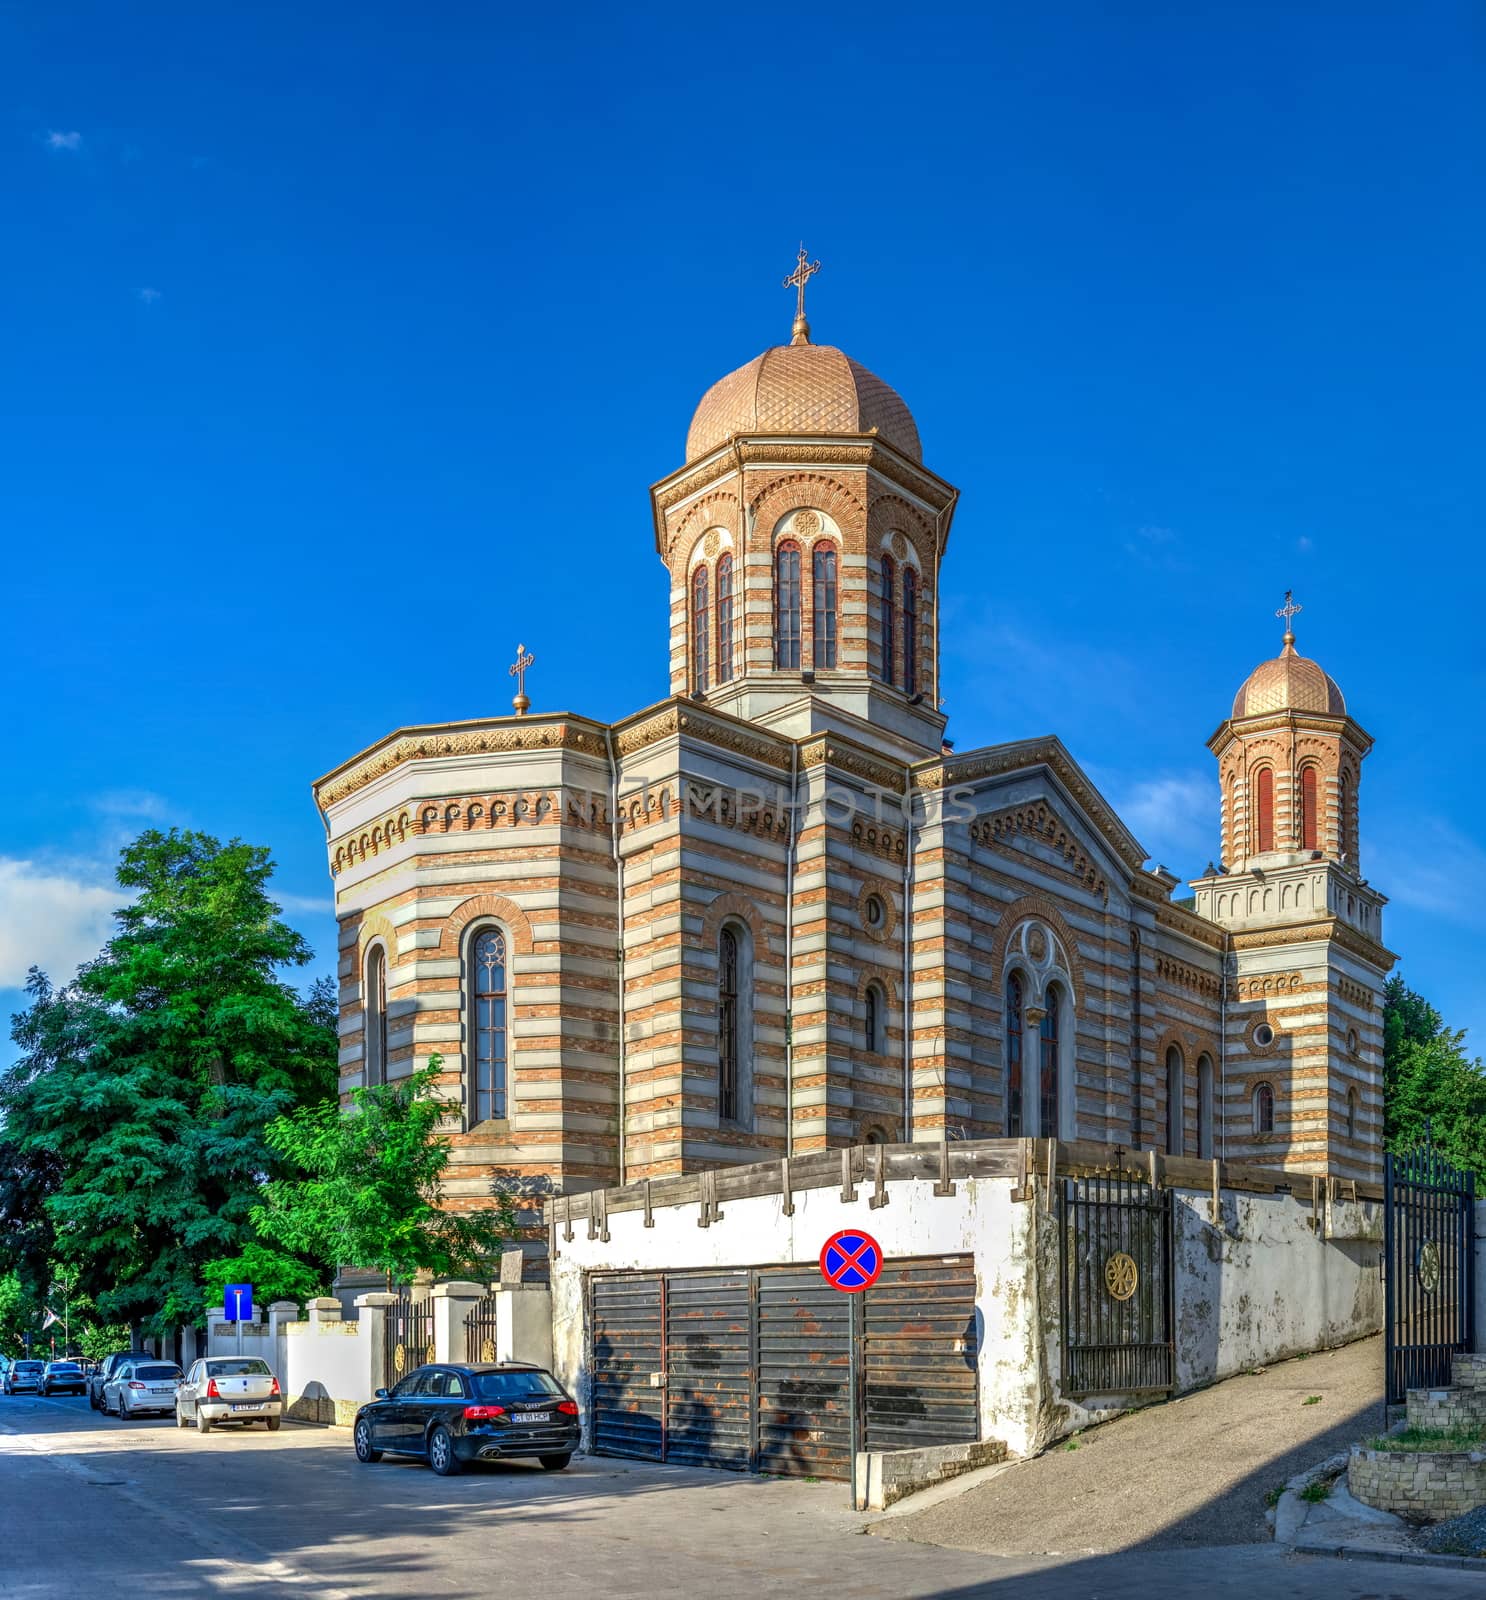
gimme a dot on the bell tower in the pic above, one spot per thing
(1303, 1045)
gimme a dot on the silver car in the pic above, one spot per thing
(238, 1389)
(140, 1386)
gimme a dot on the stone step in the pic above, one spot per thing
(1468, 1372)
(1446, 1408)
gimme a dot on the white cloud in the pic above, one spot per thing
(1174, 815)
(1429, 864)
(319, 905)
(64, 141)
(132, 803)
(52, 919)
(149, 296)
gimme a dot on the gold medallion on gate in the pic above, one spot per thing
(1428, 1266)
(399, 1360)
(487, 1351)
(1120, 1276)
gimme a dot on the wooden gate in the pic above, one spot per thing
(1117, 1287)
(409, 1336)
(1429, 1265)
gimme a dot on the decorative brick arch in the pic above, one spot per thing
(374, 927)
(891, 513)
(1039, 907)
(719, 509)
(884, 981)
(802, 489)
(494, 906)
(731, 904)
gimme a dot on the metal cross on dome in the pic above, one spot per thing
(1289, 610)
(524, 659)
(805, 270)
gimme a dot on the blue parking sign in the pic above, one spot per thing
(237, 1302)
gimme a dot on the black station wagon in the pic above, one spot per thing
(450, 1415)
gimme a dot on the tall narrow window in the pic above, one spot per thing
(823, 606)
(1344, 818)
(725, 619)
(1047, 1098)
(1014, 1056)
(787, 606)
(699, 630)
(728, 1026)
(374, 1012)
(1264, 810)
(872, 1031)
(491, 997)
(1176, 1096)
(1263, 1108)
(1351, 1114)
(1205, 1107)
(1309, 832)
(889, 618)
(910, 631)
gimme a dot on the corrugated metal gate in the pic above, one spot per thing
(751, 1368)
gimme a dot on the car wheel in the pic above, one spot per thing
(203, 1422)
(274, 1424)
(364, 1452)
(441, 1455)
(554, 1463)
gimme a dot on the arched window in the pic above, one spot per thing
(787, 606)
(1264, 810)
(1344, 818)
(910, 631)
(1176, 1096)
(1014, 1009)
(1263, 1108)
(699, 630)
(1351, 1114)
(1309, 831)
(886, 574)
(875, 1136)
(725, 618)
(732, 1029)
(872, 1029)
(823, 606)
(491, 996)
(1047, 1095)
(374, 1014)
(1205, 1089)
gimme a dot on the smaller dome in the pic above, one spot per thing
(1289, 683)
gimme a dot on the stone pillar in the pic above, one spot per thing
(523, 1323)
(215, 1339)
(452, 1303)
(322, 1309)
(371, 1311)
(280, 1313)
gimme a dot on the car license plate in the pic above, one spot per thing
(536, 1416)
(162, 1389)
(254, 1407)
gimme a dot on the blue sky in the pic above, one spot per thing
(343, 345)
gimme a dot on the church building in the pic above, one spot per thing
(777, 912)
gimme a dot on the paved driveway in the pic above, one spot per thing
(96, 1507)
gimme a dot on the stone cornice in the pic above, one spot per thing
(1344, 727)
(832, 750)
(997, 760)
(1323, 930)
(493, 736)
(684, 717)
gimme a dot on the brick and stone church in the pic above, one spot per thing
(778, 912)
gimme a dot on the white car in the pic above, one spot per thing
(238, 1389)
(141, 1385)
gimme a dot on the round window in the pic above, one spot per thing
(1354, 1044)
(874, 911)
(1264, 1036)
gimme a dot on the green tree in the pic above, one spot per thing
(1428, 1078)
(148, 1082)
(370, 1190)
(20, 1314)
(274, 1274)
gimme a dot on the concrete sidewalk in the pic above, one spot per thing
(1190, 1473)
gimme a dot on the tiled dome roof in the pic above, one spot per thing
(1288, 683)
(801, 388)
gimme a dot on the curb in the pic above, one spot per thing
(1405, 1558)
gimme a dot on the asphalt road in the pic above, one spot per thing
(90, 1506)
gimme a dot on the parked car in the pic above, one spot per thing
(450, 1415)
(63, 1377)
(219, 1389)
(141, 1385)
(104, 1370)
(24, 1375)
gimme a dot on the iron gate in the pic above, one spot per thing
(1428, 1267)
(480, 1337)
(751, 1368)
(1117, 1287)
(409, 1336)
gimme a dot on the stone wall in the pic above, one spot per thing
(1423, 1486)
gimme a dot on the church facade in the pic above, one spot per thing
(777, 912)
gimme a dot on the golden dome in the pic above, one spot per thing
(1289, 683)
(801, 388)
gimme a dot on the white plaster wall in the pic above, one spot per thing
(980, 1218)
(1264, 1285)
(330, 1364)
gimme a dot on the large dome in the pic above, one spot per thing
(801, 388)
(1288, 683)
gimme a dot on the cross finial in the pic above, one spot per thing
(805, 270)
(1287, 611)
(524, 659)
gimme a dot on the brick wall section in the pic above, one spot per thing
(1421, 1486)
